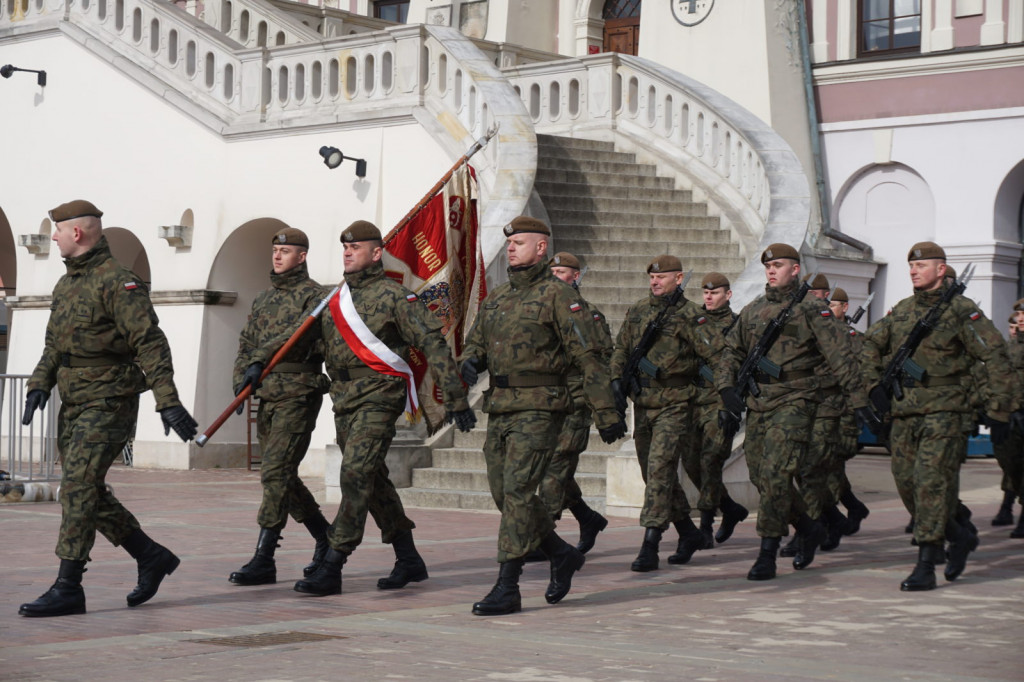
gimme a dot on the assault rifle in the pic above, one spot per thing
(902, 365)
(637, 361)
(855, 318)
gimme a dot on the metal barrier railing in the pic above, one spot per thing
(27, 453)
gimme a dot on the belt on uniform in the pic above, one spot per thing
(526, 380)
(784, 376)
(69, 360)
(674, 381)
(297, 367)
(351, 373)
(931, 382)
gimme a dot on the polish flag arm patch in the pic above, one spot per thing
(826, 313)
(412, 297)
(129, 286)
(575, 307)
(973, 317)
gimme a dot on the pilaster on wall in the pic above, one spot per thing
(942, 34)
(819, 30)
(993, 31)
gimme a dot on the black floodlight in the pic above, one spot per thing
(333, 158)
(7, 69)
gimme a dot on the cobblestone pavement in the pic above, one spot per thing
(843, 618)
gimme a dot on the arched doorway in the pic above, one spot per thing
(127, 250)
(8, 280)
(1008, 227)
(621, 26)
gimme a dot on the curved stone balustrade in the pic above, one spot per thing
(256, 23)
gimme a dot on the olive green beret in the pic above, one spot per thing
(74, 209)
(777, 251)
(820, 281)
(950, 272)
(714, 280)
(665, 263)
(360, 231)
(290, 236)
(1019, 305)
(839, 294)
(1013, 319)
(565, 259)
(926, 251)
(526, 224)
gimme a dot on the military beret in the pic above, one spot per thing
(713, 280)
(926, 251)
(526, 224)
(290, 236)
(950, 271)
(665, 263)
(1013, 319)
(776, 251)
(360, 231)
(820, 281)
(839, 294)
(1019, 305)
(74, 209)
(565, 259)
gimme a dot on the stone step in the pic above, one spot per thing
(615, 206)
(475, 438)
(601, 179)
(473, 459)
(668, 235)
(464, 499)
(560, 217)
(587, 167)
(574, 143)
(585, 249)
(436, 478)
(616, 191)
(545, 151)
(628, 262)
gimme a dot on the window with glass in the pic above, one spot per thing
(889, 26)
(392, 10)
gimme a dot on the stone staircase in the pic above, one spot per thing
(615, 215)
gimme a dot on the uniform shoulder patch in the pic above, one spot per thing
(129, 286)
(825, 313)
(853, 332)
(974, 316)
(702, 320)
(597, 317)
(411, 297)
(575, 307)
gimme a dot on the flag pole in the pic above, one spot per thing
(205, 436)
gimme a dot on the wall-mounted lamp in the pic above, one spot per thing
(7, 69)
(333, 158)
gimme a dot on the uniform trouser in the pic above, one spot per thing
(284, 429)
(659, 434)
(927, 451)
(821, 461)
(558, 489)
(364, 436)
(838, 483)
(90, 437)
(1010, 455)
(775, 444)
(518, 449)
(704, 455)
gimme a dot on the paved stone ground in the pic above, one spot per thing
(843, 618)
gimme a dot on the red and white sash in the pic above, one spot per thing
(371, 350)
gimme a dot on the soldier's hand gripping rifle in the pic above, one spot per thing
(637, 361)
(902, 364)
(755, 361)
(855, 318)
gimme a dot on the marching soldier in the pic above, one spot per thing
(1010, 453)
(103, 348)
(930, 424)
(780, 419)
(529, 334)
(290, 400)
(367, 336)
(558, 489)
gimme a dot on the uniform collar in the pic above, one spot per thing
(290, 279)
(358, 280)
(90, 259)
(779, 294)
(521, 278)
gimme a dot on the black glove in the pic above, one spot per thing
(1017, 421)
(880, 401)
(728, 422)
(866, 416)
(36, 399)
(732, 400)
(999, 431)
(470, 371)
(610, 434)
(180, 420)
(251, 378)
(619, 396)
(464, 420)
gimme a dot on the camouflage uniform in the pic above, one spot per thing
(780, 420)
(367, 403)
(290, 396)
(103, 347)
(849, 430)
(1010, 453)
(931, 424)
(529, 332)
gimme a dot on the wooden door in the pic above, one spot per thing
(622, 35)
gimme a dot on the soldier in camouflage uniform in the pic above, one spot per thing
(706, 451)
(663, 408)
(558, 489)
(930, 424)
(780, 419)
(529, 334)
(367, 402)
(1010, 453)
(290, 399)
(103, 348)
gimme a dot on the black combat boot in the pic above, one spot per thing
(647, 559)
(707, 528)
(504, 596)
(856, 512)
(923, 576)
(732, 513)
(1005, 515)
(318, 527)
(790, 548)
(963, 515)
(64, 598)
(591, 523)
(764, 567)
(326, 579)
(409, 566)
(1018, 532)
(690, 540)
(961, 543)
(156, 562)
(565, 561)
(810, 535)
(535, 556)
(835, 523)
(261, 569)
